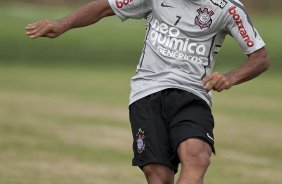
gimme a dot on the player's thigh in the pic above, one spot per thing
(191, 129)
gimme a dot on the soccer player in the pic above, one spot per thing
(170, 96)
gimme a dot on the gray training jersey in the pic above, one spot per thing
(183, 38)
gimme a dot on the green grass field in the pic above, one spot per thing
(63, 106)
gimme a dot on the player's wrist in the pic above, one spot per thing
(65, 24)
(231, 79)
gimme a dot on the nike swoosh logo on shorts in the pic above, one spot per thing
(208, 134)
(166, 6)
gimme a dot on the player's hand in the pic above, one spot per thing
(217, 82)
(46, 28)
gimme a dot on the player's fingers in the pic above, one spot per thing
(210, 77)
(36, 30)
(226, 85)
(41, 32)
(218, 86)
(45, 28)
(29, 28)
(206, 79)
(33, 29)
(32, 26)
(212, 83)
(35, 25)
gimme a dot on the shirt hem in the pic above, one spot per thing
(151, 91)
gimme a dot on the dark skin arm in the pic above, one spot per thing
(257, 63)
(84, 16)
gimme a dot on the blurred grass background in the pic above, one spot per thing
(63, 102)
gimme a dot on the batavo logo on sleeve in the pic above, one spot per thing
(219, 3)
(121, 3)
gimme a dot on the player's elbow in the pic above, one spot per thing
(106, 9)
(265, 61)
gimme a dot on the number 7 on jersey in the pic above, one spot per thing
(178, 19)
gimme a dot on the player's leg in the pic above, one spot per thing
(151, 145)
(158, 174)
(194, 155)
(191, 134)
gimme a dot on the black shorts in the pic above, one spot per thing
(161, 121)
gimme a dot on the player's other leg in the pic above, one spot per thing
(158, 174)
(191, 134)
(151, 144)
(194, 155)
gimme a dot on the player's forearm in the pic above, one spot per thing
(256, 64)
(84, 16)
(88, 14)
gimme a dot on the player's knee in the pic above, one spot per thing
(202, 159)
(194, 152)
(158, 174)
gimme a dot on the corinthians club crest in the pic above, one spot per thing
(203, 20)
(139, 140)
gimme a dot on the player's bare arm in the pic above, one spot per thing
(84, 16)
(256, 64)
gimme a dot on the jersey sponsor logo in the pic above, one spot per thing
(242, 30)
(140, 141)
(121, 3)
(219, 3)
(203, 20)
(177, 55)
(168, 42)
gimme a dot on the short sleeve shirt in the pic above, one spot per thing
(182, 40)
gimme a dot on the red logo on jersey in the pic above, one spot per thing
(203, 20)
(241, 26)
(121, 3)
